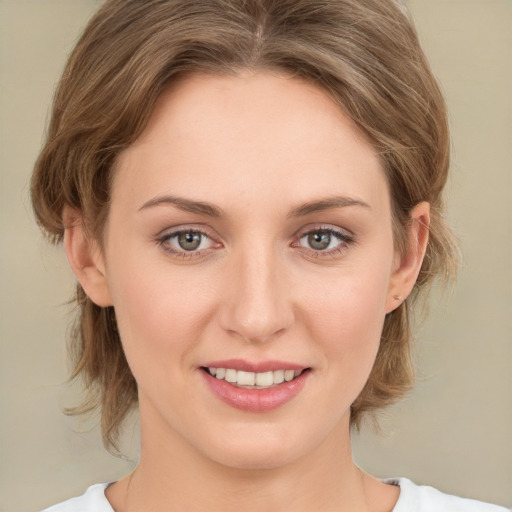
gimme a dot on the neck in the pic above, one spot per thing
(172, 475)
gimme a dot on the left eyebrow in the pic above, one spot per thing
(186, 205)
(328, 203)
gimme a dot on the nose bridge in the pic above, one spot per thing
(258, 307)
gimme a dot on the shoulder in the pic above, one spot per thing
(422, 498)
(93, 500)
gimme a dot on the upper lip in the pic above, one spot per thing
(254, 366)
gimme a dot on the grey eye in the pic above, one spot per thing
(319, 240)
(189, 240)
(324, 240)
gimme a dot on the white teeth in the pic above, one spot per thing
(245, 378)
(252, 379)
(278, 376)
(230, 375)
(265, 379)
(289, 375)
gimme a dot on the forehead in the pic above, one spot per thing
(259, 133)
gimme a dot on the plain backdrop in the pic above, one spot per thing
(455, 429)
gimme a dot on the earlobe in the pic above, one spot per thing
(85, 258)
(408, 264)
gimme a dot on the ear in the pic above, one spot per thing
(85, 258)
(407, 266)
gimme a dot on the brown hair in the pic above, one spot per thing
(365, 54)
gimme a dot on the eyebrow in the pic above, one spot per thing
(328, 203)
(186, 205)
(210, 210)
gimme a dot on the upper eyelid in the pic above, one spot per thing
(174, 230)
(200, 228)
(329, 230)
(323, 227)
(299, 233)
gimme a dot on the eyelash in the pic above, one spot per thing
(165, 241)
(345, 239)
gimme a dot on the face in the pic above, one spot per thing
(249, 257)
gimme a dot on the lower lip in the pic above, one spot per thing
(255, 400)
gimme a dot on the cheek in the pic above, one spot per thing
(160, 314)
(347, 302)
(345, 316)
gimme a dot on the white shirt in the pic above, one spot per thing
(413, 498)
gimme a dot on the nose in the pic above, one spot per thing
(257, 305)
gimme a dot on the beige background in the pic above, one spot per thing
(454, 432)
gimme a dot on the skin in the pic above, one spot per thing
(257, 148)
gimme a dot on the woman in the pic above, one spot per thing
(249, 194)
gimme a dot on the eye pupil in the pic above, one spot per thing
(189, 240)
(319, 240)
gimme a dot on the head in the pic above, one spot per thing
(365, 56)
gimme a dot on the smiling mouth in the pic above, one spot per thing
(254, 380)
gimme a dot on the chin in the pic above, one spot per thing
(257, 449)
(256, 458)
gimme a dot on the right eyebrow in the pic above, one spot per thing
(328, 203)
(186, 205)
